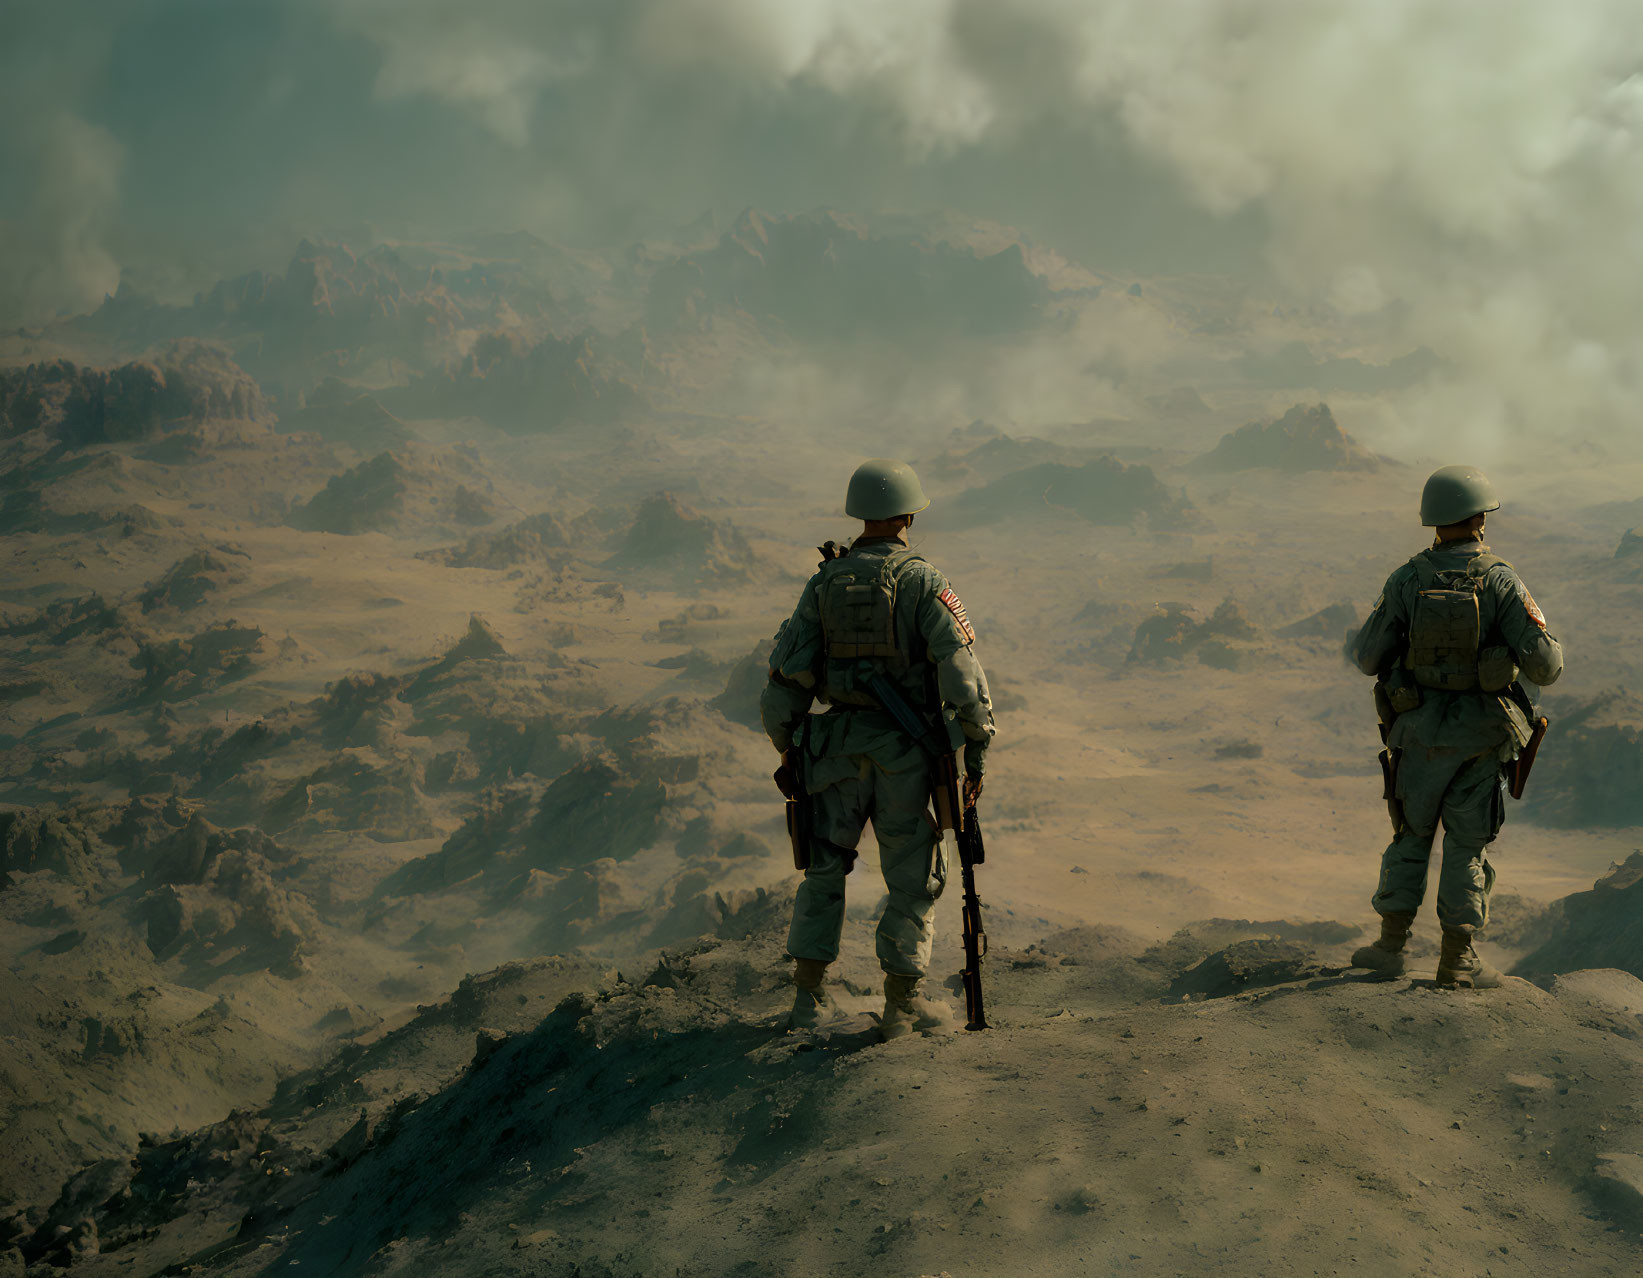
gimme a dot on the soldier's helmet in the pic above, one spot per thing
(1454, 494)
(883, 488)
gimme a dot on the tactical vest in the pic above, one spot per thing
(857, 601)
(1446, 624)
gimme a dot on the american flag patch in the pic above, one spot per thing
(1533, 609)
(951, 602)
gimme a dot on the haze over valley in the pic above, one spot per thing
(414, 425)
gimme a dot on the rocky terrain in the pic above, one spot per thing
(392, 880)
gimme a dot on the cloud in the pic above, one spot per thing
(54, 225)
(1463, 176)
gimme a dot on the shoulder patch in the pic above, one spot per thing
(1533, 609)
(950, 601)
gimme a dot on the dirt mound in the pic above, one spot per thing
(54, 839)
(355, 790)
(236, 917)
(598, 810)
(1227, 640)
(1104, 491)
(671, 540)
(534, 539)
(193, 579)
(1599, 928)
(1335, 621)
(1247, 965)
(399, 493)
(1307, 437)
(169, 844)
(177, 669)
(998, 455)
(1123, 1139)
(342, 414)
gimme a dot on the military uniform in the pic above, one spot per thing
(881, 608)
(1447, 641)
(1452, 747)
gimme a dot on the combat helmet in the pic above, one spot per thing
(883, 488)
(1454, 494)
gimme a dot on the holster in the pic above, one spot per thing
(789, 780)
(1389, 759)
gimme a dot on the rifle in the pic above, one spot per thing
(956, 819)
(790, 781)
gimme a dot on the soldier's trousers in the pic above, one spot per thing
(1469, 797)
(910, 856)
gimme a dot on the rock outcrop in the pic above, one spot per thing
(407, 492)
(1602, 928)
(1307, 437)
(669, 539)
(1227, 640)
(187, 387)
(1103, 490)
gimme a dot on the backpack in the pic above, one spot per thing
(858, 607)
(1446, 624)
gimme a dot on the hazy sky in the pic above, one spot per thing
(1480, 165)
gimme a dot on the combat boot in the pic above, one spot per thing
(812, 1004)
(905, 1012)
(1385, 955)
(1459, 964)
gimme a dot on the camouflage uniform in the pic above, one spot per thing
(857, 764)
(1453, 747)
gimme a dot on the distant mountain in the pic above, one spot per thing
(522, 386)
(1304, 438)
(1102, 490)
(327, 298)
(1294, 365)
(821, 276)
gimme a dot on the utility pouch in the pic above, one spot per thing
(941, 862)
(1384, 712)
(1403, 697)
(1497, 669)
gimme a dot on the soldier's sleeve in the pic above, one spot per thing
(791, 688)
(1523, 625)
(960, 681)
(1384, 634)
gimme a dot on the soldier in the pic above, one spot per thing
(1447, 640)
(876, 608)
